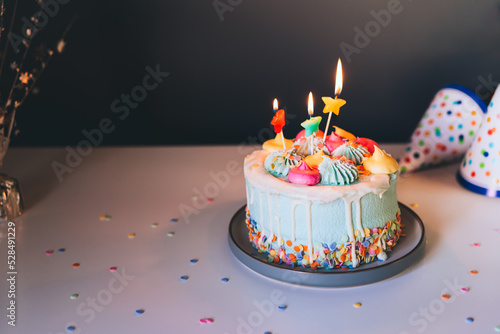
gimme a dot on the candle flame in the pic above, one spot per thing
(275, 104)
(338, 79)
(310, 104)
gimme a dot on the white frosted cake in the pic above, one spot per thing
(322, 204)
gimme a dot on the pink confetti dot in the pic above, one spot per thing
(476, 244)
(464, 290)
(112, 269)
(210, 200)
(206, 321)
(49, 252)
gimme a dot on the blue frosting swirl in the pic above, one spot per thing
(279, 163)
(350, 152)
(337, 172)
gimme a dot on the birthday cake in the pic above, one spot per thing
(322, 202)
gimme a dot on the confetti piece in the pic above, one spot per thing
(469, 320)
(184, 278)
(170, 234)
(154, 225)
(70, 329)
(112, 269)
(357, 305)
(105, 217)
(268, 332)
(193, 261)
(210, 200)
(224, 280)
(464, 290)
(76, 265)
(282, 307)
(139, 311)
(131, 235)
(73, 296)
(476, 244)
(474, 272)
(49, 252)
(415, 205)
(206, 321)
(61, 250)
(445, 296)
(174, 220)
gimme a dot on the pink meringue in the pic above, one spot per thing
(303, 174)
(333, 141)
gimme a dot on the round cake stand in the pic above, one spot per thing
(409, 249)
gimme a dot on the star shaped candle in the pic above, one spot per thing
(333, 105)
(312, 124)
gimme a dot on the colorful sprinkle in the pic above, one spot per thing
(112, 269)
(70, 329)
(224, 280)
(174, 220)
(170, 234)
(184, 278)
(357, 305)
(193, 261)
(49, 252)
(415, 205)
(268, 332)
(74, 296)
(469, 320)
(154, 225)
(445, 296)
(464, 290)
(105, 217)
(76, 265)
(131, 235)
(474, 272)
(282, 307)
(210, 200)
(476, 244)
(61, 250)
(206, 321)
(139, 311)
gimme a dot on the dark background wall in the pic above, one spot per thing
(226, 65)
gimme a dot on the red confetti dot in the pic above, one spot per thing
(76, 265)
(112, 269)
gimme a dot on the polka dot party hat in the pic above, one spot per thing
(480, 169)
(445, 131)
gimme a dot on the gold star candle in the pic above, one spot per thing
(333, 105)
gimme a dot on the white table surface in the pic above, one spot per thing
(141, 186)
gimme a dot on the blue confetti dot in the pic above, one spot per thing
(460, 126)
(224, 280)
(491, 145)
(457, 102)
(139, 312)
(366, 243)
(184, 278)
(333, 245)
(70, 329)
(268, 332)
(469, 320)
(470, 161)
(451, 139)
(449, 112)
(282, 307)
(486, 154)
(193, 261)
(416, 155)
(174, 220)
(408, 148)
(61, 250)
